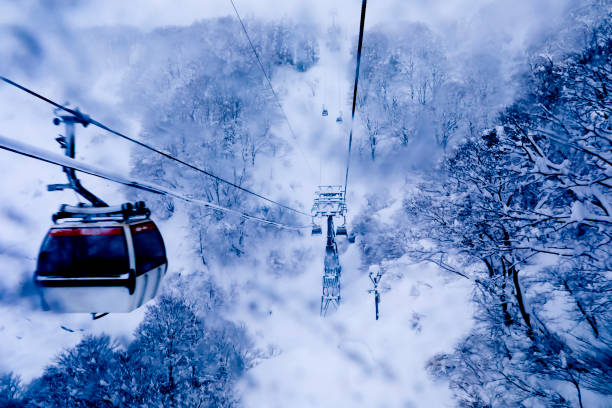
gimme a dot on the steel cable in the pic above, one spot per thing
(359, 46)
(64, 161)
(85, 120)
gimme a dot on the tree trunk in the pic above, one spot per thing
(519, 298)
(504, 302)
(171, 384)
(577, 391)
(518, 293)
(590, 319)
(373, 147)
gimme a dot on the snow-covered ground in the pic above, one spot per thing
(349, 358)
(346, 359)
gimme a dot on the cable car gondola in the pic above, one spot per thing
(100, 259)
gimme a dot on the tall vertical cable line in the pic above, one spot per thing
(359, 46)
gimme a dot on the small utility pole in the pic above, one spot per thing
(376, 273)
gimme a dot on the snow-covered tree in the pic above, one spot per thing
(82, 376)
(11, 391)
(209, 104)
(529, 201)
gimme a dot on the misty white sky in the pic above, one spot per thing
(484, 18)
(513, 14)
(505, 28)
(146, 14)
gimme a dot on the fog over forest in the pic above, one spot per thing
(478, 203)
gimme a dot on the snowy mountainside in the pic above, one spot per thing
(244, 298)
(267, 298)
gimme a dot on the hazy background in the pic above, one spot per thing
(100, 57)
